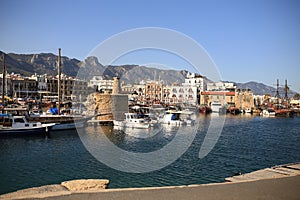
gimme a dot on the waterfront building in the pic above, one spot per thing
(221, 86)
(153, 91)
(226, 98)
(244, 99)
(258, 100)
(189, 91)
(184, 94)
(101, 84)
(22, 87)
(166, 98)
(197, 80)
(44, 86)
(7, 89)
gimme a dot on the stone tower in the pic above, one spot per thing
(113, 105)
(116, 86)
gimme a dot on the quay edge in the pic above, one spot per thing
(279, 182)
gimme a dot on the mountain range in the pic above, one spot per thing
(46, 63)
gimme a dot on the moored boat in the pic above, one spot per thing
(268, 113)
(18, 125)
(132, 121)
(62, 122)
(173, 118)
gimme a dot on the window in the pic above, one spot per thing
(19, 120)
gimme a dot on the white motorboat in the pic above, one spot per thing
(268, 113)
(12, 125)
(173, 118)
(132, 121)
(217, 107)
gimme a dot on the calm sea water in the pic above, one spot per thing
(246, 144)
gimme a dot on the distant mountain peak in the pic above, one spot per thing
(262, 89)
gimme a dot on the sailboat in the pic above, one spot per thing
(62, 122)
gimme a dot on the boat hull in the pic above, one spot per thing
(68, 126)
(33, 131)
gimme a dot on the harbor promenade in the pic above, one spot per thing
(282, 182)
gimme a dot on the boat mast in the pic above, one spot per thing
(3, 80)
(277, 96)
(286, 88)
(58, 81)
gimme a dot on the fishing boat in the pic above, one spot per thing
(18, 125)
(132, 121)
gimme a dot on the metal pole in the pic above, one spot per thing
(58, 81)
(3, 80)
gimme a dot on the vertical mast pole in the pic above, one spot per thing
(3, 80)
(58, 81)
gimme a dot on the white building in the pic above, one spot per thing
(183, 94)
(221, 86)
(100, 83)
(189, 91)
(193, 79)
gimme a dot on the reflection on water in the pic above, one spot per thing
(245, 144)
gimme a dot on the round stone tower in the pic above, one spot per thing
(116, 86)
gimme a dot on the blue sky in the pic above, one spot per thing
(248, 40)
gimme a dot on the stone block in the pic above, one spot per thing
(86, 184)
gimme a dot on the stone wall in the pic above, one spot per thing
(111, 106)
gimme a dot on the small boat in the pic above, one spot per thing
(18, 125)
(248, 111)
(132, 121)
(205, 109)
(233, 110)
(268, 113)
(62, 122)
(173, 118)
(217, 107)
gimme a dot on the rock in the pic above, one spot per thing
(86, 184)
(36, 191)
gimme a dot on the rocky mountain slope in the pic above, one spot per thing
(46, 63)
(262, 89)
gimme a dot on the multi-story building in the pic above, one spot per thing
(222, 92)
(184, 94)
(221, 86)
(22, 86)
(153, 91)
(98, 82)
(226, 98)
(40, 86)
(189, 91)
(193, 79)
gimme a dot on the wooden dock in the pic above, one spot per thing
(280, 171)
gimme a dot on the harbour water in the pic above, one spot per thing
(247, 143)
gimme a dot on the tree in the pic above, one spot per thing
(297, 96)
